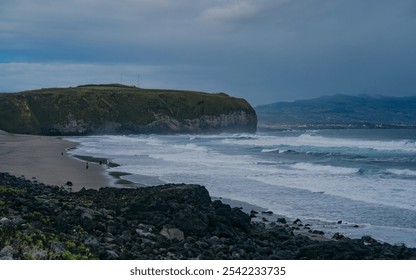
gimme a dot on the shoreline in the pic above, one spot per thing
(318, 232)
(259, 214)
(46, 159)
(56, 166)
(53, 162)
(168, 222)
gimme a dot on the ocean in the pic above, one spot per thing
(364, 178)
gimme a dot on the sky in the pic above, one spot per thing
(262, 50)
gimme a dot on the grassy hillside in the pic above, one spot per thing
(341, 111)
(96, 107)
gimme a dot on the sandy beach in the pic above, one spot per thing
(44, 159)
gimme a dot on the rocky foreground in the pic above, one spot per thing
(163, 222)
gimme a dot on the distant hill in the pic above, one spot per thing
(340, 111)
(115, 109)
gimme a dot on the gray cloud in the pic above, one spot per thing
(264, 50)
(237, 12)
(69, 74)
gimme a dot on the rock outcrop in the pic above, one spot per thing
(162, 222)
(118, 109)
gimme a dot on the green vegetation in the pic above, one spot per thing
(32, 233)
(42, 246)
(6, 189)
(109, 108)
(339, 111)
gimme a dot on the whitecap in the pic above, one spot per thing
(327, 169)
(402, 172)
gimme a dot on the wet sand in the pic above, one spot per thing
(44, 158)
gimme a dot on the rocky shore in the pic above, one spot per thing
(38, 221)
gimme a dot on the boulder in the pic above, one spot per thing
(172, 233)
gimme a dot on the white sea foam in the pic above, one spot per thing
(183, 161)
(275, 150)
(259, 169)
(366, 190)
(326, 169)
(312, 140)
(402, 172)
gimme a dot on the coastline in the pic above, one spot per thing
(45, 159)
(312, 228)
(168, 222)
(45, 163)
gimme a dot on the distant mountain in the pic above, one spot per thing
(119, 109)
(361, 111)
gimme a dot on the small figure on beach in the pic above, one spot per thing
(86, 166)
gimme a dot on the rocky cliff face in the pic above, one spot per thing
(235, 121)
(117, 109)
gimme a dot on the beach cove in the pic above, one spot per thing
(174, 221)
(45, 159)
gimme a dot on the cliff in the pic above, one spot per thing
(115, 109)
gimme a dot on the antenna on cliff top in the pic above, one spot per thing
(138, 79)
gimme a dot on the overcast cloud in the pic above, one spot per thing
(262, 50)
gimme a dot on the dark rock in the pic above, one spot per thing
(5, 222)
(172, 233)
(368, 240)
(163, 222)
(112, 255)
(338, 236)
(281, 220)
(7, 253)
(214, 240)
(296, 221)
(91, 241)
(58, 247)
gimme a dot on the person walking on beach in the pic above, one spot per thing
(86, 166)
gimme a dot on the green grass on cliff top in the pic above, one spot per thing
(28, 111)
